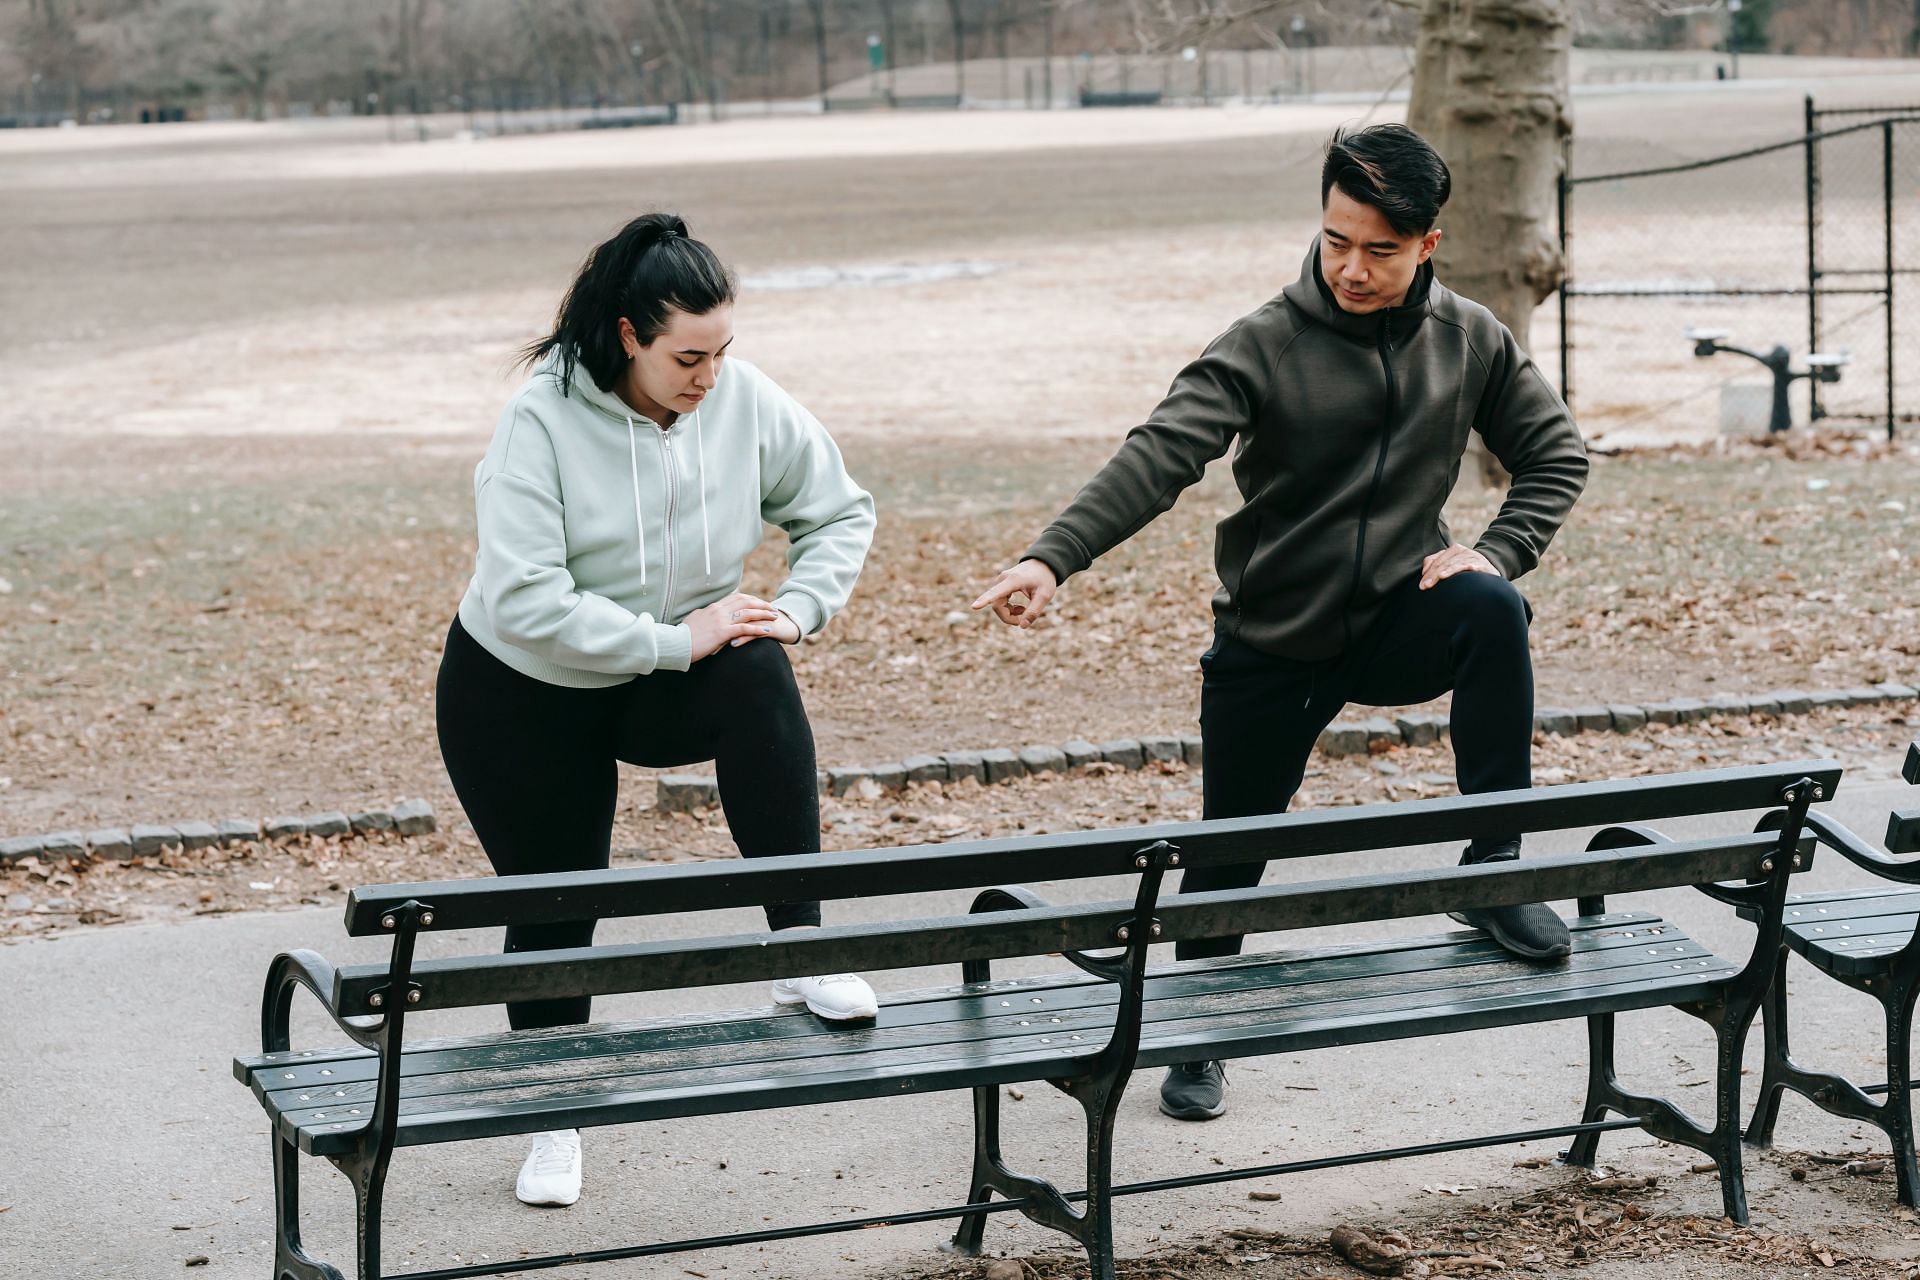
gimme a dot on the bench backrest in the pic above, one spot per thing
(605, 970)
(680, 888)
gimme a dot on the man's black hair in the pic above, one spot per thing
(1392, 168)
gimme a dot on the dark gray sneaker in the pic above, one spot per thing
(1532, 932)
(1194, 1091)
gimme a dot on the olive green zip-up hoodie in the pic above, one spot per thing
(1351, 430)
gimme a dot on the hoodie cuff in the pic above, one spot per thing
(1505, 556)
(804, 610)
(1060, 551)
(672, 647)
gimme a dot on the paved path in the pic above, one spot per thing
(126, 1148)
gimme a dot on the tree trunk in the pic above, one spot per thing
(1490, 93)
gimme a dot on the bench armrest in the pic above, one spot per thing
(309, 969)
(1017, 897)
(1857, 851)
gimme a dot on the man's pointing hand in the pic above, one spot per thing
(1029, 578)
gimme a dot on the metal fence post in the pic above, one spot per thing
(1886, 213)
(1814, 411)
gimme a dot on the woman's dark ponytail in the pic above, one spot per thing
(652, 266)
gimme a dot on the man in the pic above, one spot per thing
(1351, 396)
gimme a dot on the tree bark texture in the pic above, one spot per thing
(1490, 93)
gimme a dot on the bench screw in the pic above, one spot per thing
(1796, 861)
(376, 999)
(1141, 862)
(1122, 933)
(386, 922)
(1766, 866)
(1173, 859)
(1154, 929)
(1819, 792)
(426, 917)
(413, 996)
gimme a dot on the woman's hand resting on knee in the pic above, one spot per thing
(734, 621)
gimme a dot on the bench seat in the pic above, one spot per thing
(993, 1033)
(1851, 933)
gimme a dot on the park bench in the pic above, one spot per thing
(1865, 939)
(1084, 1031)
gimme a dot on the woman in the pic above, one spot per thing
(627, 481)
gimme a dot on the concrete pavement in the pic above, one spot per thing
(127, 1149)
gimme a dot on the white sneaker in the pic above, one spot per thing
(551, 1175)
(837, 997)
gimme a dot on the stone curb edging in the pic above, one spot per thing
(118, 844)
(686, 792)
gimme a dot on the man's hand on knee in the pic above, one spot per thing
(1029, 578)
(1455, 559)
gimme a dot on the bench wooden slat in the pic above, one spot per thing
(1302, 984)
(1076, 855)
(1429, 953)
(938, 1069)
(1850, 933)
(495, 979)
(1267, 1007)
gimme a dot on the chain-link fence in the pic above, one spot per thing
(1700, 296)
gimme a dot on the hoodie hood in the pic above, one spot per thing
(581, 387)
(1312, 296)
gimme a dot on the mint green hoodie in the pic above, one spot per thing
(600, 530)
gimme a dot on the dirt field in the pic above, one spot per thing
(249, 370)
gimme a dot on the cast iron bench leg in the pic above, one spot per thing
(1778, 1069)
(290, 1261)
(1092, 1226)
(368, 1174)
(1600, 1086)
(1664, 1120)
(1898, 1108)
(1736, 1019)
(989, 1170)
(1837, 1095)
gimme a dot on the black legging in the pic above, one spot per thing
(1260, 714)
(535, 767)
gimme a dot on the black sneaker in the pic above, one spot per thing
(1532, 932)
(1194, 1091)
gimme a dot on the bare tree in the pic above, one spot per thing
(55, 53)
(252, 41)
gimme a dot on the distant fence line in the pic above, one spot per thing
(1659, 255)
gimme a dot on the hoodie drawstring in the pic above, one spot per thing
(639, 525)
(700, 446)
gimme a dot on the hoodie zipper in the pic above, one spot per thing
(673, 494)
(1385, 346)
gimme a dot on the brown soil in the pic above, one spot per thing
(1566, 1221)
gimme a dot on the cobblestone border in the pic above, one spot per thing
(686, 792)
(117, 844)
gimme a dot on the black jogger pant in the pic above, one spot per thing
(1260, 714)
(535, 767)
